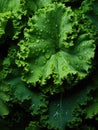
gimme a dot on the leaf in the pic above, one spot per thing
(11, 12)
(3, 109)
(6, 7)
(33, 5)
(92, 107)
(53, 47)
(20, 93)
(3, 22)
(92, 13)
(19, 20)
(92, 110)
(9, 5)
(4, 92)
(61, 109)
(37, 101)
(33, 126)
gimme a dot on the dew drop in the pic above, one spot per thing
(37, 41)
(56, 25)
(43, 50)
(47, 21)
(44, 27)
(32, 72)
(59, 35)
(63, 68)
(52, 66)
(47, 56)
(47, 31)
(41, 30)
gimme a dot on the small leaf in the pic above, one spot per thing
(3, 109)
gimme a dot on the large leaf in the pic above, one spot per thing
(62, 107)
(53, 47)
(13, 90)
(19, 93)
(37, 101)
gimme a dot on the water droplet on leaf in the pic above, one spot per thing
(47, 56)
(37, 41)
(63, 68)
(43, 50)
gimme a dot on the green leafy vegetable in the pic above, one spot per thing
(49, 49)
(48, 64)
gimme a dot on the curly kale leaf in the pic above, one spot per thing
(33, 5)
(92, 107)
(92, 12)
(5, 88)
(33, 126)
(9, 5)
(56, 46)
(11, 12)
(92, 110)
(3, 109)
(6, 7)
(13, 90)
(62, 109)
(3, 22)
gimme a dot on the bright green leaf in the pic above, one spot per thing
(52, 46)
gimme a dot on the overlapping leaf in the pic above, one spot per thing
(68, 109)
(11, 12)
(33, 5)
(93, 15)
(53, 46)
(92, 107)
(6, 7)
(13, 90)
(33, 126)
(55, 49)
